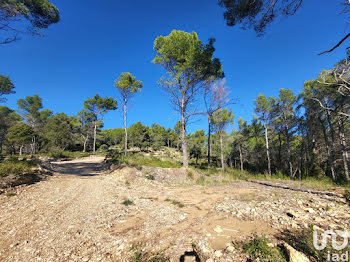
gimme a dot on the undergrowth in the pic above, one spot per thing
(13, 166)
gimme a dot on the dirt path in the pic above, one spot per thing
(79, 215)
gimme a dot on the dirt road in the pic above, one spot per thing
(80, 214)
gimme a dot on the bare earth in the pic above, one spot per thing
(78, 215)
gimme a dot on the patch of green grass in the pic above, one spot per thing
(16, 167)
(259, 250)
(138, 159)
(190, 174)
(176, 203)
(10, 194)
(127, 183)
(200, 181)
(127, 202)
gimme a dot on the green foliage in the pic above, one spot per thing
(222, 118)
(127, 202)
(6, 87)
(16, 167)
(259, 250)
(39, 13)
(150, 177)
(200, 181)
(10, 194)
(257, 14)
(99, 105)
(175, 203)
(20, 134)
(139, 135)
(138, 160)
(189, 174)
(58, 132)
(127, 84)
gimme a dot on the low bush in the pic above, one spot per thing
(137, 160)
(259, 250)
(16, 167)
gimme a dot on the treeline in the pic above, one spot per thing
(298, 135)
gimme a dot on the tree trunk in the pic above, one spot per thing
(125, 128)
(329, 151)
(209, 136)
(183, 140)
(95, 131)
(344, 149)
(332, 146)
(222, 153)
(85, 142)
(291, 175)
(267, 150)
(20, 150)
(241, 157)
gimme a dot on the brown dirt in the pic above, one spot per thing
(78, 215)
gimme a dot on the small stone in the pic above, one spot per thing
(209, 260)
(218, 229)
(230, 249)
(218, 253)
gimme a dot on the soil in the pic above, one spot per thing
(80, 214)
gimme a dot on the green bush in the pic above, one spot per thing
(15, 167)
(137, 160)
(104, 148)
(127, 202)
(259, 250)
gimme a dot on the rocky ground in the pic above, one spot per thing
(84, 214)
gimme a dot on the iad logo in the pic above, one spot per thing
(333, 235)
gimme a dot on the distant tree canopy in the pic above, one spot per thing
(6, 87)
(39, 13)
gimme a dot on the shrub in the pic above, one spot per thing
(15, 167)
(259, 250)
(190, 174)
(104, 148)
(127, 202)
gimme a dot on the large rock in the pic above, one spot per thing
(294, 255)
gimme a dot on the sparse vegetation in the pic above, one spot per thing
(138, 159)
(127, 202)
(347, 196)
(16, 167)
(174, 202)
(10, 194)
(140, 255)
(258, 249)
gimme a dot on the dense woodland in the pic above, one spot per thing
(298, 135)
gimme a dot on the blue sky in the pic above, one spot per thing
(95, 41)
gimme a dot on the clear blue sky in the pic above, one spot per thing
(97, 40)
